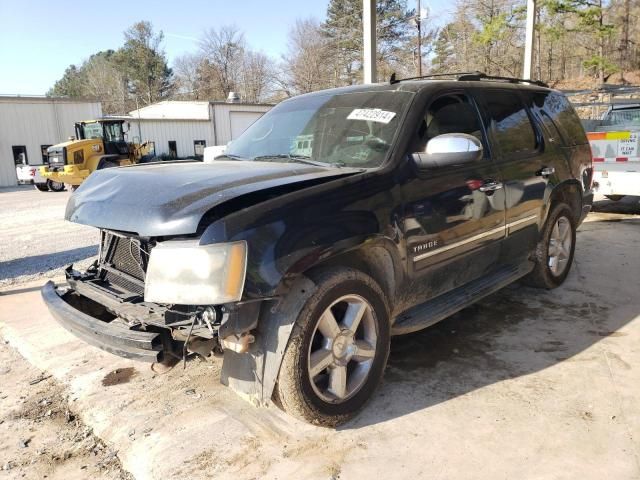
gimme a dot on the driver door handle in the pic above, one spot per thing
(547, 171)
(490, 187)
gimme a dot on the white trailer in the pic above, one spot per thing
(615, 149)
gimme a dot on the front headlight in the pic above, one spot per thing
(186, 273)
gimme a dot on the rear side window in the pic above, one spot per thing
(510, 123)
(555, 107)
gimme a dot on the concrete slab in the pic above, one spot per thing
(526, 384)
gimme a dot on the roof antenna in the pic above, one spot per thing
(392, 79)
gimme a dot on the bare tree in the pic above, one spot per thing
(186, 69)
(256, 76)
(307, 63)
(104, 81)
(222, 51)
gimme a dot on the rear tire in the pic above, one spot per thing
(42, 187)
(555, 250)
(329, 371)
(55, 186)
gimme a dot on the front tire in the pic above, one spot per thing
(55, 186)
(337, 351)
(41, 187)
(555, 250)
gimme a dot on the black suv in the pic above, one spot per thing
(336, 220)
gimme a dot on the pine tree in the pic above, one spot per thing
(343, 29)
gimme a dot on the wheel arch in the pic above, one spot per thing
(568, 192)
(378, 259)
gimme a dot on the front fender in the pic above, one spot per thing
(289, 233)
(253, 375)
(287, 247)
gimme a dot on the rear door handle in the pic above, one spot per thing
(490, 187)
(547, 171)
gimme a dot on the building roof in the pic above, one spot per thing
(184, 110)
(175, 110)
(44, 99)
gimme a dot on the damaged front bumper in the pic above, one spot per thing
(111, 337)
(123, 324)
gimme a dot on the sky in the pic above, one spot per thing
(39, 39)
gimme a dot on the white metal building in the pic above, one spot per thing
(184, 128)
(28, 125)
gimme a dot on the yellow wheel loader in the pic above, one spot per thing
(98, 144)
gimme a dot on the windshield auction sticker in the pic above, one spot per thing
(372, 115)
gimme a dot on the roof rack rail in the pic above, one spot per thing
(469, 76)
(476, 76)
(393, 78)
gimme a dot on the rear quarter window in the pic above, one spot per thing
(555, 107)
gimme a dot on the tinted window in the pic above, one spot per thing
(452, 114)
(449, 114)
(511, 124)
(556, 107)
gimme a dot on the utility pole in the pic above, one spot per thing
(528, 42)
(419, 50)
(139, 128)
(369, 33)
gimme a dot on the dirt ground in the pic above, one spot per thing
(40, 434)
(526, 384)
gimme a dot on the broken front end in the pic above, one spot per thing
(158, 300)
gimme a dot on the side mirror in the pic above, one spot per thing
(449, 149)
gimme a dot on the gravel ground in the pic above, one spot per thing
(35, 240)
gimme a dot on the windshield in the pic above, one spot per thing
(622, 116)
(92, 130)
(113, 132)
(352, 129)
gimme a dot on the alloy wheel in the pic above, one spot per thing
(342, 349)
(560, 245)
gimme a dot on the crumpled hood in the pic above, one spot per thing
(163, 199)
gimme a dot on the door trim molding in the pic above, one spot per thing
(494, 231)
